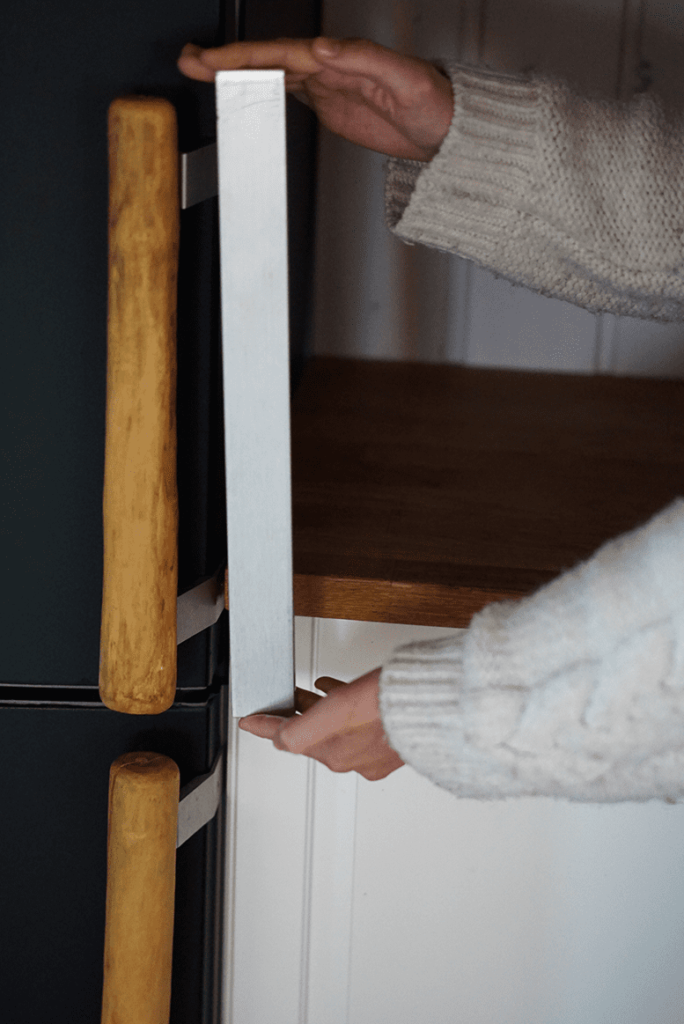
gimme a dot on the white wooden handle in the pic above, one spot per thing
(256, 376)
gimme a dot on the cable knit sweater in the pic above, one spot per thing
(579, 199)
(578, 690)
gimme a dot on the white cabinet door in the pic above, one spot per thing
(394, 903)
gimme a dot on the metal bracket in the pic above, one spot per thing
(199, 801)
(199, 175)
(199, 608)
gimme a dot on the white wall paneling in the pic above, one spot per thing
(289, 875)
(529, 321)
(646, 349)
(515, 327)
(379, 298)
(267, 873)
(662, 45)
(375, 296)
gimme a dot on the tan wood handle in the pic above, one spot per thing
(140, 503)
(141, 869)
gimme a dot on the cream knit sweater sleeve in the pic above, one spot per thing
(576, 691)
(578, 199)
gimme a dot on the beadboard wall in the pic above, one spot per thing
(355, 902)
(380, 298)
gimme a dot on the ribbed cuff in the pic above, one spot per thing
(444, 731)
(420, 704)
(484, 157)
(522, 186)
(400, 181)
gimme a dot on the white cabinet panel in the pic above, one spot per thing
(267, 871)
(618, 939)
(526, 912)
(453, 908)
(393, 902)
(265, 889)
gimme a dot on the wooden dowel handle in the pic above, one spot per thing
(141, 869)
(140, 503)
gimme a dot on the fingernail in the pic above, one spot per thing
(328, 47)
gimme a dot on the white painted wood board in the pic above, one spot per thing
(256, 389)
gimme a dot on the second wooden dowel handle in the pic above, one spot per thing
(141, 869)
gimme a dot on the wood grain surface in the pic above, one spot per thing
(140, 504)
(141, 872)
(423, 492)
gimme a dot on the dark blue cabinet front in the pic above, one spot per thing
(63, 63)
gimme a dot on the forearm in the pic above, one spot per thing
(578, 199)
(574, 692)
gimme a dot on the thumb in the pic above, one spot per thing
(264, 726)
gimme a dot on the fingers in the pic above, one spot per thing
(353, 55)
(294, 56)
(267, 725)
(305, 699)
(363, 749)
(371, 60)
(372, 96)
(343, 730)
(327, 683)
(347, 709)
(298, 57)
(190, 63)
(264, 726)
(300, 734)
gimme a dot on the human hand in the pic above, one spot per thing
(343, 730)
(377, 98)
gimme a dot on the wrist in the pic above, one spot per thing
(442, 110)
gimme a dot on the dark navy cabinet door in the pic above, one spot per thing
(55, 768)
(63, 62)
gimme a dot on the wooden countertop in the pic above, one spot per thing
(422, 492)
